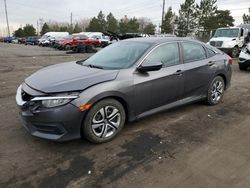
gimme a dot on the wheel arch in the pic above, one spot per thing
(111, 95)
(224, 78)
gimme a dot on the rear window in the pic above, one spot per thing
(193, 52)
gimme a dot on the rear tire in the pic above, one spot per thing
(104, 121)
(216, 91)
(242, 67)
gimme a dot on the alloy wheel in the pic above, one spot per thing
(217, 90)
(106, 121)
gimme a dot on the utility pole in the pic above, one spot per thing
(37, 28)
(71, 25)
(163, 12)
(7, 20)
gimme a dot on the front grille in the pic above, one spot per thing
(48, 129)
(242, 59)
(216, 43)
(26, 96)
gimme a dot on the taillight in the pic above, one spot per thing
(230, 60)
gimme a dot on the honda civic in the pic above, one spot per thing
(128, 80)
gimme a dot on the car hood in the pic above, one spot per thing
(68, 77)
(222, 39)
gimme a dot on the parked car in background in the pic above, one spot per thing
(229, 39)
(46, 38)
(244, 58)
(14, 40)
(22, 40)
(74, 40)
(104, 40)
(123, 82)
(8, 39)
(32, 40)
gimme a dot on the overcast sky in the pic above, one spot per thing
(22, 12)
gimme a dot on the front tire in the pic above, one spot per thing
(235, 52)
(104, 121)
(216, 91)
(67, 47)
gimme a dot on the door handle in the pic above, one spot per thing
(178, 73)
(211, 63)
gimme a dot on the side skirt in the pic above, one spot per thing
(182, 102)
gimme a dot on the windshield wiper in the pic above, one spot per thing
(93, 66)
(80, 62)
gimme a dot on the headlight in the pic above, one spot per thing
(228, 44)
(54, 101)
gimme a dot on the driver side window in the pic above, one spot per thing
(167, 54)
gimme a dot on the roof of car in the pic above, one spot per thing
(158, 40)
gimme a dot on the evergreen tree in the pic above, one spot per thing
(29, 30)
(77, 29)
(45, 29)
(93, 25)
(18, 32)
(97, 24)
(186, 20)
(112, 23)
(129, 26)
(222, 18)
(168, 22)
(149, 29)
(204, 12)
(101, 21)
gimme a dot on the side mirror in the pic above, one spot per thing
(149, 66)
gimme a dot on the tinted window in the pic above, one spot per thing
(210, 52)
(193, 52)
(168, 54)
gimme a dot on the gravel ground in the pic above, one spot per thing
(192, 146)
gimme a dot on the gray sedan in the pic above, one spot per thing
(128, 80)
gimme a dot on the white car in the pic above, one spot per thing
(244, 58)
(104, 40)
(46, 38)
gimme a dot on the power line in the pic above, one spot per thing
(7, 20)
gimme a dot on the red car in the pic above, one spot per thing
(75, 40)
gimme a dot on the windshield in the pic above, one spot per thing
(69, 37)
(226, 33)
(118, 56)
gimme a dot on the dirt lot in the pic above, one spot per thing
(192, 146)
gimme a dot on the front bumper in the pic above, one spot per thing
(59, 123)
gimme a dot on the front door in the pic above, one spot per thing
(157, 88)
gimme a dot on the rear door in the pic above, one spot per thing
(157, 88)
(199, 69)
